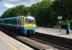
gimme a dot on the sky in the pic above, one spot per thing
(6, 4)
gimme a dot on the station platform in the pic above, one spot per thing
(8, 43)
(55, 32)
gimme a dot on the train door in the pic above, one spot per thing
(21, 21)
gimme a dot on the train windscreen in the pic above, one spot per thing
(27, 20)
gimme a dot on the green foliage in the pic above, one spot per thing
(18, 10)
(46, 11)
(42, 11)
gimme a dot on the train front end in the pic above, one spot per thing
(30, 25)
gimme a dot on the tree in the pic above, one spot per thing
(46, 12)
(42, 11)
(18, 10)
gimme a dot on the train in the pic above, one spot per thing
(24, 24)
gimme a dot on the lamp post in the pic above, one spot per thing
(59, 18)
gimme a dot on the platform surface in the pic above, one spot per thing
(55, 32)
(4, 45)
(8, 43)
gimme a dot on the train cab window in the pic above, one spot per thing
(29, 20)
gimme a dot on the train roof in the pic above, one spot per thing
(30, 17)
(11, 17)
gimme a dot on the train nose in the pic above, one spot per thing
(29, 31)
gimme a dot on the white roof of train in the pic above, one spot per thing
(30, 17)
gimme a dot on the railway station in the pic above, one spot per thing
(9, 43)
(35, 25)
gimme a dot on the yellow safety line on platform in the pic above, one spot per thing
(12, 46)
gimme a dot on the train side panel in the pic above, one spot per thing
(19, 24)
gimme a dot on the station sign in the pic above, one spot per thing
(59, 17)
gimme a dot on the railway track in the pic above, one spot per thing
(43, 41)
(28, 41)
(57, 42)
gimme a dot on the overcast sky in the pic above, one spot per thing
(5, 4)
